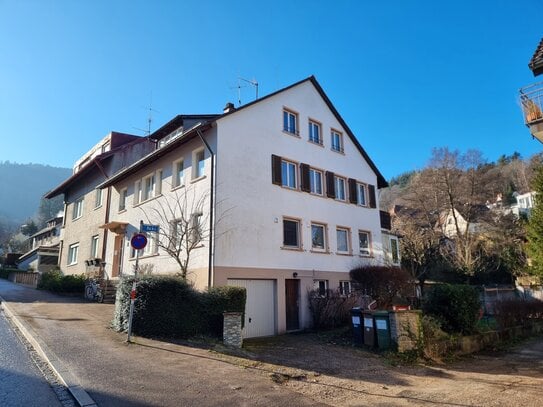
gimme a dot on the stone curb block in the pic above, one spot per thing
(65, 376)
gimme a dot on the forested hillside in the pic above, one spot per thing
(23, 185)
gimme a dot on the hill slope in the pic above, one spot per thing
(22, 187)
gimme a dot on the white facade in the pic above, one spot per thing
(277, 240)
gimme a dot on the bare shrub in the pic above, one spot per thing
(382, 283)
(517, 312)
(330, 310)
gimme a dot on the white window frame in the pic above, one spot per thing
(77, 211)
(394, 251)
(323, 227)
(336, 146)
(196, 228)
(364, 252)
(198, 165)
(288, 168)
(313, 173)
(312, 127)
(178, 173)
(73, 251)
(321, 286)
(298, 234)
(345, 288)
(95, 241)
(123, 196)
(347, 239)
(98, 198)
(338, 180)
(148, 185)
(288, 115)
(362, 191)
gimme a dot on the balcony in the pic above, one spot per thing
(531, 101)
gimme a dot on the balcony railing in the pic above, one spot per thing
(531, 101)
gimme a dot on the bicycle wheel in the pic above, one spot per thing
(89, 292)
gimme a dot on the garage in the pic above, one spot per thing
(260, 309)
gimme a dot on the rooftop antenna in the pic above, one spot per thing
(149, 118)
(252, 82)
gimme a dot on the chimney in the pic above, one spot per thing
(229, 108)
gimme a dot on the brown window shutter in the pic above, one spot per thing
(330, 185)
(276, 170)
(353, 196)
(304, 179)
(371, 192)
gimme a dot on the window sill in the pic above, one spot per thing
(71, 265)
(317, 143)
(338, 151)
(122, 210)
(147, 200)
(294, 249)
(192, 181)
(79, 217)
(297, 135)
(98, 207)
(178, 187)
(365, 255)
(344, 254)
(319, 251)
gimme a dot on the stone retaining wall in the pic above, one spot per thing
(232, 329)
(405, 329)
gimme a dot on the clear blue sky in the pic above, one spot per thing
(405, 75)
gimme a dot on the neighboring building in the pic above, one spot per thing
(43, 255)
(524, 205)
(278, 196)
(390, 240)
(472, 221)
(86, 207)
(531, 97)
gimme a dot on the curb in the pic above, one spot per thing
(65, 376)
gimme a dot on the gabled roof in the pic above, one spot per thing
(208, 120)
(536, 63)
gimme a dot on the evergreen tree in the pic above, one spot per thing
(535, 227)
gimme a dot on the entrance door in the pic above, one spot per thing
(117, 256)
(292, 298)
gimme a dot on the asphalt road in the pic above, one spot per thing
(21, 382)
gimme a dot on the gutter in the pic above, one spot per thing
(211, 211)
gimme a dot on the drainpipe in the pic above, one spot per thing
(211, 206)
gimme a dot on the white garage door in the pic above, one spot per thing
(260, 307)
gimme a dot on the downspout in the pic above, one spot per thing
(211, 206)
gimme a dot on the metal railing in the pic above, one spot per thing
(531, 102)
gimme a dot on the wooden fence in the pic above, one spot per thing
(23, 277)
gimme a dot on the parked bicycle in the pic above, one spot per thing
(93, 290)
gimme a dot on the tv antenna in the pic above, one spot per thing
(149, 117)
(251, 82)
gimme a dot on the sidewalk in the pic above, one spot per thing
(94, 359)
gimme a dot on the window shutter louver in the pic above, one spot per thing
(276, 170)
(330, 185)
(371, 192)
(353, 197)
(304, 179)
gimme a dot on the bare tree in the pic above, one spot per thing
(183, 218)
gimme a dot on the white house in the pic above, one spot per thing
(278, 194)
(43, 256)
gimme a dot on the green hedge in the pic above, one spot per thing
(169, 307)
(56, 282)
(456, 306)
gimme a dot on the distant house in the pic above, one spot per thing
(524, 205)
(470, 220)
(43, 255)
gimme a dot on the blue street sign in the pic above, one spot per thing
(138, 241)
(149, 228)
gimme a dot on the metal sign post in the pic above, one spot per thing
(138, 242)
